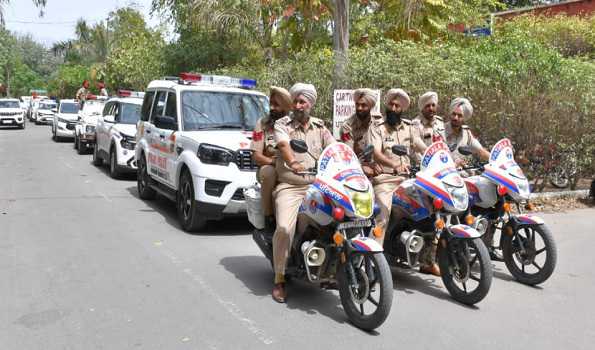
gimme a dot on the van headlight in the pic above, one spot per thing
(363, 203)
(211, 154)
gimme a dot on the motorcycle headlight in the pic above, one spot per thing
(363, 203)
(459, 196)
(211, 154)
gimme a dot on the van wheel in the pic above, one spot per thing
(113, 164)
(188, 207)
(143, 180)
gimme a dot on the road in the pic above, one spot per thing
(86, 264)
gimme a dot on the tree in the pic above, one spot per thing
(135, 56)
(340, 40)
(91, 44)
(39, 3)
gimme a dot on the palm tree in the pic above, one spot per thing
(39, 3)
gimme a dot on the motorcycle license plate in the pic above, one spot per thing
(354, 224)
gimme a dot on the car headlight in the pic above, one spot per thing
(363, 203)
(459, 196)
(211, 154)
(127, 142)
(62, 120)
(89, 129)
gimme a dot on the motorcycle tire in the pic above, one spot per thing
(462, 272)
(354, 308)
(512, 256)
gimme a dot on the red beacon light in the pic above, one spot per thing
(190, 77)
(438, 204)
(218, 80)
(128, 93)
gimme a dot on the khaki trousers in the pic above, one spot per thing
(384, 186)
(267, 176)
(287, 202)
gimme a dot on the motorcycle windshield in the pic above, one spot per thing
(439, 177)
(341, 178)
(505, 171)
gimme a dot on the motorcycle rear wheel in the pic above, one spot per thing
(519, 260)
(462, 261)
(373, 285)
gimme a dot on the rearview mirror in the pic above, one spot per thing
(367, 153)
(109, 119)
(166, 122)
(298, 146)
(466, 150)
(55, 110)
(399, 150)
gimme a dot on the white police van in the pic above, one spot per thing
(115, 134)
(193, 144)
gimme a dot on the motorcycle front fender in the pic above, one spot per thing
(528, 219)
(463, 232)
(365, 245)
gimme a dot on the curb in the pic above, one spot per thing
(561, 194)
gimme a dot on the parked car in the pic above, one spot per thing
(11, 113)
(44, 111)
(65, 120)
(84, 131)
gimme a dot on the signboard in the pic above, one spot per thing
(344, 107)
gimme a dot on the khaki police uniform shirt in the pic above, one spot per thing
(354, 132)
(316, 136)
(429, 132)
(81, 94)
(463, 138)
(383, 136)
(263, 138)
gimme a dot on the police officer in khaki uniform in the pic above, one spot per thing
(458, 134)
(290, 191)
(428, 125)
(263, 144)
(82, 93)
(354, 130)
(383, 135)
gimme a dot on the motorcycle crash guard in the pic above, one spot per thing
(366, 245)
(464, 231)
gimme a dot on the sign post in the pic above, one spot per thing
(344, 107)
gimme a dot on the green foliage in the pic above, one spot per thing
(135, 57)
(67, 80)
(571, 36)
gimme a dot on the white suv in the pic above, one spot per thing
(11, 113)
(193, 144)
(65, 120)
(115, 134)
(84, 131)
(44, 112)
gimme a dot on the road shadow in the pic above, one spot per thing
(410, 281)
(104, 168)
(233, 226)
(256, 274)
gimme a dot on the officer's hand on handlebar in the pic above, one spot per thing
(460, 163)
(401, 169)
(297, 167)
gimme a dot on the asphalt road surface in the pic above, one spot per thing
(86, 264)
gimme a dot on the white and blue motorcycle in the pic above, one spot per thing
(332, 246)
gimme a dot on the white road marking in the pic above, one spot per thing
(105, 197)
(229, 306)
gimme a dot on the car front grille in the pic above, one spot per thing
(9, 114)
(245, 161)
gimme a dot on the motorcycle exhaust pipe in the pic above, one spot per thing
(413, 243)
(313, 256)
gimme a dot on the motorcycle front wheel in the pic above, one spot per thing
(366, 289)
(466, 269)
(530, 260)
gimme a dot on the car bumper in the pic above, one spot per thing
(126, 160)
(87, 139)
(64, 133)
(45, 119)
(7, 121)
(227, 195)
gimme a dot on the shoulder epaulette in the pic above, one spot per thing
(407, 121)
(465, 127)
(317, 122)
(438, 117)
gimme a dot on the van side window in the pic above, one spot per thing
(146, 108)
(158, 105)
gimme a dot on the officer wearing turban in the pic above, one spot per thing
(458, 134)
(354, 130)
(290, 191)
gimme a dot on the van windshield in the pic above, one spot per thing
(221, 110)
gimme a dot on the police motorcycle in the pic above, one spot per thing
(427, 204)
(332, 244)
(492, 194)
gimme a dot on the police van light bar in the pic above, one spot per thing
(128, 93)
(221, 80)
